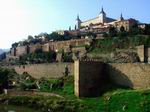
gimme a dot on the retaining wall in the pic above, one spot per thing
(53, 70)
(92, 78)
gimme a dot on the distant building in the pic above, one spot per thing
(61, 32)
(142, 25)
(101, 23)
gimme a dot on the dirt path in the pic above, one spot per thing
(31, 93)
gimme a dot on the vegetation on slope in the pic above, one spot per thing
(115, 99)
(111, 44)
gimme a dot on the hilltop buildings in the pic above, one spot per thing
(96, 26)
(101, 23)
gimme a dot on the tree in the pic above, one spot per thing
(122, 32)
(147, 29)
(14, 45)
(25, 43)
(55, 36)
(6, 75)
(30, 37)
(105, 34)
(42, 34)
(122, 29)
(135, 30)
(112, 31)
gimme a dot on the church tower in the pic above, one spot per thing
(78, 23)
(121, 18)
(102, 16)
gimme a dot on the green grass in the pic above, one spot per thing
(117, 100)
(129, 101)
(114, 100)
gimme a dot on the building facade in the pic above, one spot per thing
(102, 22)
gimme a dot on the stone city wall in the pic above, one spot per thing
(45, 47)
(58, 45)
(144, 53)
(148, 54)
(52, 70)
(33, 48)
(140, 52)
(133, 75)
(13, 51)
(21, 50)
(91, 78)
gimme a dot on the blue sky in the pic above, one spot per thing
(20, 18)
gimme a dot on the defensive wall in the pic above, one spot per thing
(33, 48)
(21, 50)
(57, 45)
(132, 75)
(92, 77)
(144, 53)
(89, 78)
(52, 70)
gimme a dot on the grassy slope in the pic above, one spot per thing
(117, 100)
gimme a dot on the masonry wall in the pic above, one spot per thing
(92, 78)
(144, 53)
(140, 52)
(33, 48)
(53, 70)
(130, 75)
(45, 47)
(89, 78)
(21, 50)
(149, 55)
(13, 51)
(59, 45)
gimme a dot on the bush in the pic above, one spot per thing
(111, 44)
(51, 84)
(67, 57)
(27, 82)
(6, 77)
(38, 57)
(27, 86)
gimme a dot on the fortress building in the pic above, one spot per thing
(102, 23)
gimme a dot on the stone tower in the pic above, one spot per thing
(78, 23)
(102, 16)
(121, 17)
